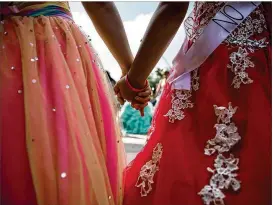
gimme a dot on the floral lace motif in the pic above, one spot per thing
(203, 12)
(254, 24)
(147, 172)
(181, 101)
(242, 36)
(239, 63)
(224, 176)
(199, 18)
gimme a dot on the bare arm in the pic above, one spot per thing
(108, 24)
(161, 30)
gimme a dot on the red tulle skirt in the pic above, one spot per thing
(173, 168)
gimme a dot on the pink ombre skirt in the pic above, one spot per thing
(60, 142)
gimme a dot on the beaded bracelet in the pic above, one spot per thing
(135, 89)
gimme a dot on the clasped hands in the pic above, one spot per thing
(139, 100)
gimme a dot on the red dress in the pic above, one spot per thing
(212, 145)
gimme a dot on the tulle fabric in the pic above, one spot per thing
(181, 171)
(60, 141)
(183, 166)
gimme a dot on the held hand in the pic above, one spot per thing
(123, 91)
(144, 96)
(142, 99)
(139, 100)
(119, 98)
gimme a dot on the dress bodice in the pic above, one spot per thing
(25, 5)
(54, 8)
(249, 33)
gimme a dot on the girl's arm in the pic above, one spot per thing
(161, 30)
(108, 24)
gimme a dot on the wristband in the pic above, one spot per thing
(135, 89)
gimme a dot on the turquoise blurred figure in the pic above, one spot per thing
(132, 121)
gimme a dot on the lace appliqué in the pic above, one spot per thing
(181, 99)
(254, 24)
(147, 172)
(239, 63)
(224, 176)
(199, 18)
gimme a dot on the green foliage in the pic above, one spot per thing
(155, 77)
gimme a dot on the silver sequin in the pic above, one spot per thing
(63, 175)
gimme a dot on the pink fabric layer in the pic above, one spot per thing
(60, 142)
